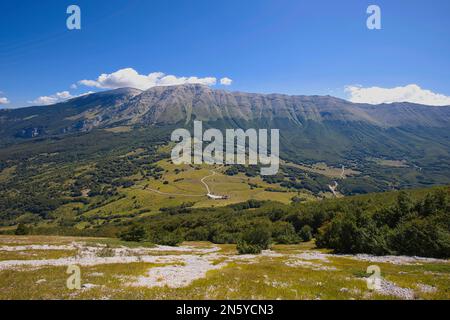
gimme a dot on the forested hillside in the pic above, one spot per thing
(397, 223)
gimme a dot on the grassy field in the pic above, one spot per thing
(323, 169)
(181, 184)
(35, 267)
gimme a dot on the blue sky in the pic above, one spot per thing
(286, 46)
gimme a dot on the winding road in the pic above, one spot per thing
(203, 180)
(209, 194)
(334, 188)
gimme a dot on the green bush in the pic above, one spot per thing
(197, 234)
(305, 233)
(166, 238)
(353, 232)
(224, 237)
(422, 238)
(255, 239)
(284, 233)
(135, 233)
(22, 230)
(245, 248)
(420, 228)
(220, 233)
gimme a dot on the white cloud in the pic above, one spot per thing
(55, 98)
(129, 77)
(84, 94)
(410, 93)
(226, 81)
(4, 100)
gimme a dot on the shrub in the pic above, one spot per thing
(106, 252)
(422, 238)
(167, 238)
(22, 230)
(408, 227)
(232, 171)
(305, 233)
(225, 237)
(197, 234)
(298, 199)
(245, 248)
(255, 239)
(353, 232)
(284, 233)
(135, 233)
(219, 233)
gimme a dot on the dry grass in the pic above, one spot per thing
(272, 276)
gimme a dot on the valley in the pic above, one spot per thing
(91, 182)
(248, 152)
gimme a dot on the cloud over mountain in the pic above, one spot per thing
(4, 100)
(55, 98)
(129, 77)
(410, 93)
(226, 81)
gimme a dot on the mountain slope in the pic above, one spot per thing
(181, 104)
(312, 128)
(77, 114)
(175, 104)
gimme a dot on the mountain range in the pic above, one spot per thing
(312, 128)
(181, 104)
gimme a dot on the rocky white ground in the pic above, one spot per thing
(180, 266)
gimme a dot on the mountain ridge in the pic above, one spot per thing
(313, 129)
(180, 104)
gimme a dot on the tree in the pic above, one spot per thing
(198, 234)
(167, 238)
(425, 238)
(404, 203)
(22, 230)
(353, 232)
(284, 233)
(245, 248)
(305, 233)
(135, 233)
(254, 240)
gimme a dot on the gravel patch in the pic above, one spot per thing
(313, 255)
(91, 261)
(424, 288)
(184, 249)
(389, 288)
(398, 260)
(180, 266)
(37, 247)
(310, 265)
(177, 276)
